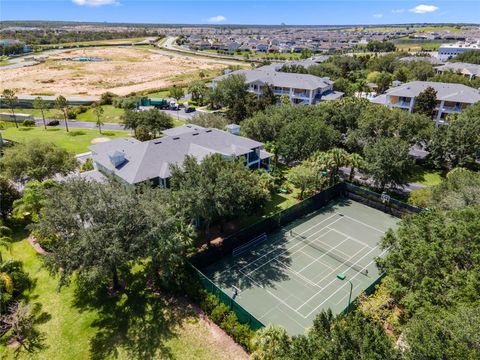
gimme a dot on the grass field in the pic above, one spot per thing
(111, 115)
(426, 177)
(96, 42)
(129, 326)
(77, 141)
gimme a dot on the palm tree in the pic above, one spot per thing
(324, 165)
(11, 99)
(339, 158)
(355, 161)
(40, 104)
(98, 110)
(62, 105)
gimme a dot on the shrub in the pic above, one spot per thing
(87, 165)
(76, 133)
(28, 123)
(107, 98)
(72, 113)
(82, 109)
(219, 313)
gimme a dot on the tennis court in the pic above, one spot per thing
(289, 276)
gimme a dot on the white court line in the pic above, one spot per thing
(275, 296)
(324, 254)
(349, 267)
(313, 257)
(351, 237)
(299, 243)
(328, 275)
(288, 268)
(250, 263)
(365, 224)
(336, 291)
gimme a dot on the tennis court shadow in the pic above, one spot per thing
(259, 271)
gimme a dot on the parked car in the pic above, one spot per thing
(53, 123)
(190, 109)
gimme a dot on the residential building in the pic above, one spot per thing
(451, 98)
(447, 51)
(470, 71)
(302, 89)
(136, 162)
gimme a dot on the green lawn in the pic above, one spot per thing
(77, 141)
(111, 115)
(133, 325)
(426, 177)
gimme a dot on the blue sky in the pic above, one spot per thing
(313, 12)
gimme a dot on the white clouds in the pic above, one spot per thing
(94, 3)
(422, 9)
(217, 19)
(377, 16)
(398, 11)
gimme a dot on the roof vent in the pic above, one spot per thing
(157, 142)
(176, 138)
(195, 134)
(208, 131)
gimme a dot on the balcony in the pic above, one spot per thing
(401, 104)
(450, 109)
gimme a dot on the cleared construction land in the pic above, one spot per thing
(127, 70)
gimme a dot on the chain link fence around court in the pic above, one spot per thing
(276, 221)
(243, 316)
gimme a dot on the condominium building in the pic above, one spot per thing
(447, 51)
(451, 98)
(302, 89)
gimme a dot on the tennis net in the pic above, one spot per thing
(328, 252)
(245, 247)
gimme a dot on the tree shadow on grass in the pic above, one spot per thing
(137, 321)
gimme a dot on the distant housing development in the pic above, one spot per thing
(302, 89)
(447, 51)
(451, 98)
(137, 162)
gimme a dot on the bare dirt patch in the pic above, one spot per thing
(129, 70)
(100, 140)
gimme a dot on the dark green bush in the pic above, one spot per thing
(28, 123)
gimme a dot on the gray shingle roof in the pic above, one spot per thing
(151, 159)
(445, 91)
(464, 68)
(268, 75)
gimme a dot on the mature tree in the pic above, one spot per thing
(214, 98)
(459, 189)
(36, 160)
(233, 90)
(388, 162)
(98, 231)
(98, 111)
(33, 199)
(383, 81)
(354, 161)
(401, 74)
(62, 105)
(306, 53)
(147, 124)
(8, 194)
(420, 70)
(330, 338)
(304, 177)
(209, 120)
(176, 92)
(301, 138)
(459, 143)
(432, 259)
(41, 105)
(198, 90)
(272, 342)
(444, 334)
(11, 99)
(471, 57)
(379, 46)
(215, 189)
(426, 102)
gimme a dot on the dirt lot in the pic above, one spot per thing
(129, 70)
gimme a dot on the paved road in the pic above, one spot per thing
(84, 124)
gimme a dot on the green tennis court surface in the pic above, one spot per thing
(291, 276)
